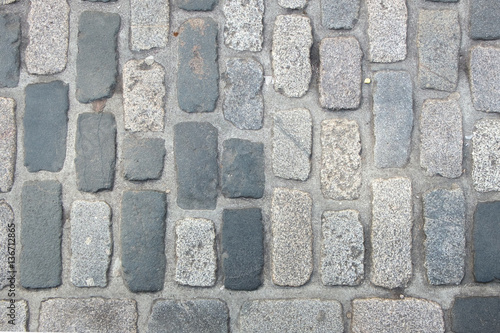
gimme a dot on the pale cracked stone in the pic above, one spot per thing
(342, 249)
(484, 80)
(8, 143)
(5, 2)
(486, 155)
(387, 24)
(340, 159)
(340, 73)
(21, 315)
(91, 243)
(7, 255)
(441, 138)
(291, 249)
(391, 236)
(244, 24)
(195, 252)
(149, 21)
(292, 41)
(47, 50)
(143, 95)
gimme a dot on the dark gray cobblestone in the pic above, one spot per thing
(476, 314)
(10, 41)
(486, 240)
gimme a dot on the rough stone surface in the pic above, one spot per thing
(340, 159)
(197, 315)
(45, 126)
(197, 5)
(396, 316)
(143, 240)
(91, 243)
(96, 75)
(198, 71)
(484, 19)
(21, 321)
(441, 139)
(100, 0)
(195, 149)
(242, 248)
(486, 155)
(143, 95)
(88, 315)
(387, 21)
(292, 144)
(444, 218)
(339, 14)
(149, 22)
(47, 50)
(243, 104)
(244, 24)
(340, 73)
(486, 238)
(483, 68)
(10, 41)
(393, 118)
(41, 232)
(143, 158)
(292, 41)
(195, 252)
(95, 151)
(291, 248)
(475, 315)
(307, 315)
(5, 2)
(7, 227)
(292, 4)
(391, 232)
(8, 143)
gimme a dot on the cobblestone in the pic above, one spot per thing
(143, 159)
(5, 2)
(7, 227)
(486, 238)
(475, 314)
(149, 22)
(484, 19)
(292, 4)
(486, 155)
(8, 143)
(244, 24)
(483, 66)
(339, 14)
(10, 41)
(194, 5)
(21, 313)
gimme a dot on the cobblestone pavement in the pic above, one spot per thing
(250, 165)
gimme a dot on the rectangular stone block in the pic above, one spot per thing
(484, 19)
(21, 321)
(292, 4)
(339, 14)
(475, 314)
(486, 239)
(149, 20)
(197, 5)
(10, 42)
(143, 159)
(484, 64)
(244, 24)
(8, 143)
(486, 155)
(7, 237)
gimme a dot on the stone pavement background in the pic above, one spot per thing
(212, 166)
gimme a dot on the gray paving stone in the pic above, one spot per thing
(8, 143)
(292, 41)
(443, 0)
(340, 73)
(10, 41)
(7, 248)
(244, 24)
(486, 155)
(339, 14)
(197, 5)
(149, 21)
(391, 232)
(444, 218)
(307, 315)
(484, 19)
(97, 59)
(45, 126)
(387, 30)
(243, 169)
(292, 4)
(243, 103)
(438, 48)
(143, 158)
(441, 138)
(195, 149)
(393, 118)
(483, 68)
(242, 248)
(195, 252)
(143, 240)
(292, 144)
(41, 231)
(95, 151)
(193, 315)
(486, 238)
(291, 248)
(475, 314)
(396, 316)
(91, 243)
(198, 70)
(342, 248)
(20, 323)
(5, 2)
(47, 50)
(340, 159)
(88, 315)
(143, 95)
(100, 0)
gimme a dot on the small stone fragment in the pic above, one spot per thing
(475, 315)
(8, 143)
(201, 5)
(7, 227)
(244, 24)
(484, 81)
(484, 19)
(10, 41)
(486, 238)
(21, 312)
(486, 155)
(149, 20)
(143, 158)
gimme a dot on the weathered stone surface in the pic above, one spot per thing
(291, 248)
(475, 315)
(393, 118)
(292, 41)
(305, 315)
(198, 71)
(41, 232)
(486, 155)
(340, 73)
(45, 126)
(101, 0)
(143, 240)
(8, 143)
(444, 217)
(339, 14)
(201, 5)
(242, 248)
(196, 315)
(97, 59)
(483, 68)
(143, 95)
(486, 238)
(396, 316)
(21, 313)
(243, 104)
(95, 151)
(340, 159)
(91, 243)
(387, 21)
(195, 252)
(391, 232)
(484, 19)
(292, 4)
(244, 24)
(292, 144)
(88, 315)
(143, 158)
(7, 228)
(47, 50)
(149, 20)
(441, 139)
(10, 41)
(5, 2)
